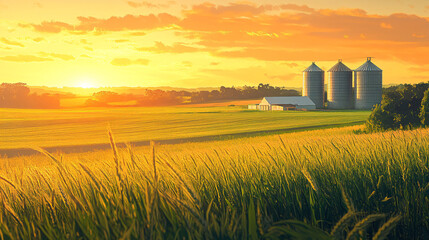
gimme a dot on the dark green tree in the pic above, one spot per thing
(380, 120)
(424, 110)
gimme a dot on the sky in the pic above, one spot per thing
(112, 43)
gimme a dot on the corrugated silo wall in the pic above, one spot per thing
(313, 87)
(340, 90)
(368, 89)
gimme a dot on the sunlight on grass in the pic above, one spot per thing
(223, 189)
(24, 128)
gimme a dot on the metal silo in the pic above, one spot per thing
(313, 84)
(368, 85)
(340, 88)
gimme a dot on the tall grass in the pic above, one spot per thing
(353, 186)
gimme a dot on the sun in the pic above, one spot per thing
(86, 85)
(86, 82)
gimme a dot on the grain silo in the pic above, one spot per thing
(340, 88)
(368, 85)
(313, 84)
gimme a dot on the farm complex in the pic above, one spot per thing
(342, 93)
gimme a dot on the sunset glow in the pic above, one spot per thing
(85, 82)
(195, 44)
(214, 119)
(86, 85)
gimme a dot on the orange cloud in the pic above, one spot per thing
(11, 43)
(149, 4)
(331, 23)
(138, 34)
(121, 40)
(354, 12)
(175, 48)
(25, 58)
(127, 62)
(141, 4)
(49, 27)
(303, 8)
(64, 57)
(300, 35)
(128, 22)
(285, 32)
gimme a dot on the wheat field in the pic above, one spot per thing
(23, 128)
(233, 189)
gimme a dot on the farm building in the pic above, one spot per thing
(253, 106)
(286, 103)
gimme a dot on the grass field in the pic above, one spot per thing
(47, 128)
(231, 189)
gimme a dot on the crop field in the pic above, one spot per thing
(338, 183)
(48, 128)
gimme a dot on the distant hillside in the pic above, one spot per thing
(48, 90)
(122, 90)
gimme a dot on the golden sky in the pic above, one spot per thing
(207, 44)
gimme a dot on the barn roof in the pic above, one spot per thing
(289, 100)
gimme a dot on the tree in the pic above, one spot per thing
(401, 107)
(380, 120)
(14, 94)
(424, 111)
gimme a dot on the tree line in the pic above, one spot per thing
(17, 95)
(168, 98)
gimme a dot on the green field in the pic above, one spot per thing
(47, 128)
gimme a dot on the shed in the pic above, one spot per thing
(286, 103)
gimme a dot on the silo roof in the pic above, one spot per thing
(339, 67)
(368, 67)
(313, 68)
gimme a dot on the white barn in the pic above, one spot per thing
(286, 103)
